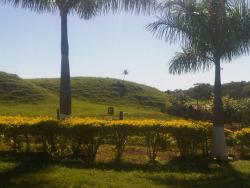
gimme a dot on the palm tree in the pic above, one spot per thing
(85, 9)
(125, 73)
(210, 31)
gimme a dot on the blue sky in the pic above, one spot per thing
(101, 47)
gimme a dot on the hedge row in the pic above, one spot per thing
(242, 140)
(81, 137)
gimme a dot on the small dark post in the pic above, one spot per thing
(58, 114)
(121, 116)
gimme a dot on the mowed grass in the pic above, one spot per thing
(81, 109)
(180, 174)
(36, 170)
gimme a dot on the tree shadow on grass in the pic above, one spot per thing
(25, 164)
(188, 173)
(196, 164)
(7, 176)
(218, 176)
(199, 165)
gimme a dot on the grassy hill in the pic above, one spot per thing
(107, 90)
(14, 89)
(91, 96)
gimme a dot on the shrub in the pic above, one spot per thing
(243, 140)
(119, 134)
(18, 130)
(81, 137)
(191, 137)
(85, 135)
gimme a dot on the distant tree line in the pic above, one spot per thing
(204, 91)
(236, 103)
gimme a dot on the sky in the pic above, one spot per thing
(101, 47)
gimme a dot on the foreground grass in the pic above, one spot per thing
(173, 174)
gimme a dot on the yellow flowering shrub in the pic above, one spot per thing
(242, 138)
(243, 135)
(81, 137)
(85, 136)
(18, 129)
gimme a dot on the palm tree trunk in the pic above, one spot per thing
(65, 85)
(218, 106)
(218, 142)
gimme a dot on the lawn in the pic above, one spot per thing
(80, 109)
(36, 170)
(173, 174)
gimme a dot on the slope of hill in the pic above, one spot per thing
(91, 97)
(14, 89)
(107, 90)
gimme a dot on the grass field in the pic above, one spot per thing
(81, 109)
(36, 170)
(173, 174)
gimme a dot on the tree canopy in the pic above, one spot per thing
(85, 8)
(204, 31)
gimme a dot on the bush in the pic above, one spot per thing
(85, 135)
(236, 111)
(191, 137)
(243, 140)
(120, 131)
(81, 137)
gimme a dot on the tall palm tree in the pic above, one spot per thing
(125, 73)
(85, 9)
(209, 31)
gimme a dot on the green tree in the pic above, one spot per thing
(210, 31)
(200, 92)
(178, 104)
(85, 9)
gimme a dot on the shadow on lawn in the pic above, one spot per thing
(189, 173)
(25, 164)
(217, 176)
(197, 164)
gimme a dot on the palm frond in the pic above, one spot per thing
(189, 60)
(180, 22)
(35, 5)
(221, 28)
(237, 36)
(86, 8)
(169, 31)
(138, 6)
(89, 8)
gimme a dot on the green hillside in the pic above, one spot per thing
(107, 90)
(14, 89)
(91, 96)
